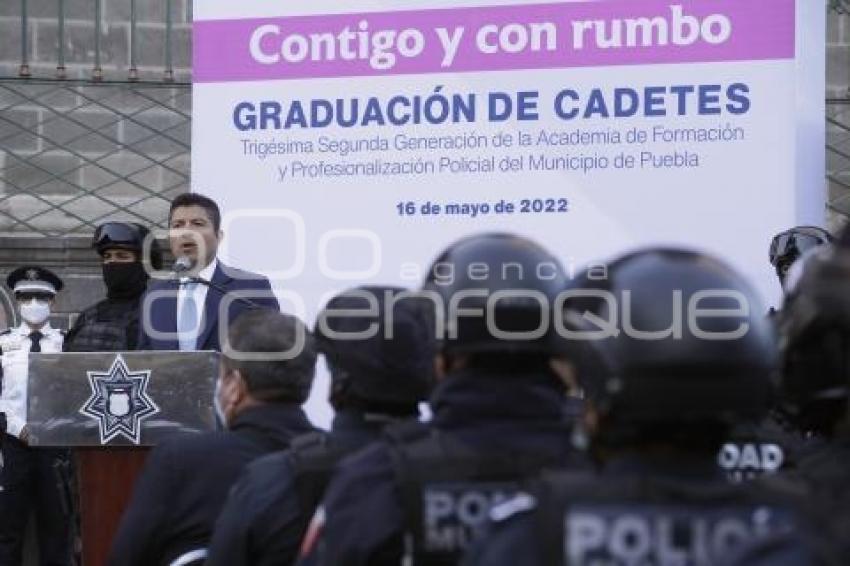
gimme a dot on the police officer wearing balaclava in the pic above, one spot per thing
(127, 252)
(112, 325)
(28, 482)
(420, 495)
(677, 350)
(379, 351)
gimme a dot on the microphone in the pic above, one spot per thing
(182, 264)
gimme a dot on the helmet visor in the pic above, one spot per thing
(117, 233)
(790, 245)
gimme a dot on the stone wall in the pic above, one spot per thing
(115, 37)
(838, 108)
(67, 139)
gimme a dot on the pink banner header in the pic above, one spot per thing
(592, 33)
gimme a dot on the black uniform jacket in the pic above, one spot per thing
(515, 416)
(264, 518)
(186, 481)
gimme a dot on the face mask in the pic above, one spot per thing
(35, 312)
(124, 280)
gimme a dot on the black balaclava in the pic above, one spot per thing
(124, 281)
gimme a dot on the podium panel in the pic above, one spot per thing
(106, 477)
(119, 399)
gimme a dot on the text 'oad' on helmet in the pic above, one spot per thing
(672, 336)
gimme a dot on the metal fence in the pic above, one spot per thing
(95, 112)
(838, 156)
(839, 6)
(74, 155)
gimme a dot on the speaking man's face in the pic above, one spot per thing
(191, 234)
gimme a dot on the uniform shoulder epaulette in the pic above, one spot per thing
(9, 341)
(520, 503)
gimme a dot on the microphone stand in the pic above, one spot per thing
(196, 279)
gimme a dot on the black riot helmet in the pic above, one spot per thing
(786, 247)
(127, 236)
(674, 336)
(495, 294)
(379, 348)
(815, 341)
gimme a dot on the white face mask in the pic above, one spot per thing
(35, 312)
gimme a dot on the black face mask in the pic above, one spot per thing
(124, 280)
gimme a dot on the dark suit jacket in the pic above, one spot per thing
(186, 481)
(161, 299)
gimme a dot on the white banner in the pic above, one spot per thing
(350, 148)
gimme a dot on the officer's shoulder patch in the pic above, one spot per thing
(520, 503)
(10, 341)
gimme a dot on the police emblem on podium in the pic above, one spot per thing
(119, 401)
(119, 398)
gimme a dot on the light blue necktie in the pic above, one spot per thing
(187, 320)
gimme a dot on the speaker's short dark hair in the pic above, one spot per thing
(197, 199)
(283, 336)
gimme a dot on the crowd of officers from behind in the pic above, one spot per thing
(724, 440)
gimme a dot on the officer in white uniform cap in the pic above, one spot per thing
(27, 479)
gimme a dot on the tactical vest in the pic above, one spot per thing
(313, 457)
(105, 327)
(447, 490)
(653, 521)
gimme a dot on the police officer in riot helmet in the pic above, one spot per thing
(774, 444)
(421, 495)
(113, 323)
(379, 351)
(777, 442)
(677, 351)
(815, 348)
(786, 247)
(814, 328)
(815, 331)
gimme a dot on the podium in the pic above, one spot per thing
(110, 408)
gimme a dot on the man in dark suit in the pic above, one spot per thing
(185, 314)
(186, 479)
